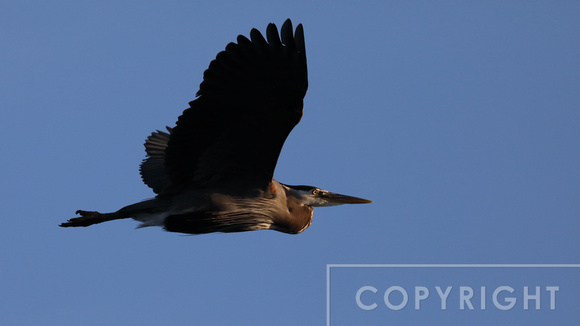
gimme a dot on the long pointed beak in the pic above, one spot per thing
(343, 199)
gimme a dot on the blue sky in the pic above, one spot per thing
(460, 120)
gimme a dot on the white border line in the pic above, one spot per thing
(329, 266)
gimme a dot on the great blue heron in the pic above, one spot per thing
(213, 171)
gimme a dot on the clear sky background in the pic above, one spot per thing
(459, 119)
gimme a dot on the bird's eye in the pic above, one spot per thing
(315, 192)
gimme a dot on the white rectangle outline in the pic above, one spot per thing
(329, 266)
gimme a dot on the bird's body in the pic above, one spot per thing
(213, 171)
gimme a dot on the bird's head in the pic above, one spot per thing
(316, 197)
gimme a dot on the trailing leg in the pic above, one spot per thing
(89, 218)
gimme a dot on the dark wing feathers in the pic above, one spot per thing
(249, 101)
(287, 35)
(258, 39)
(273, 37)
(152, 169)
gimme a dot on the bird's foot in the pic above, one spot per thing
(87, 218)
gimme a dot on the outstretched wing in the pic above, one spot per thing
(249, 101)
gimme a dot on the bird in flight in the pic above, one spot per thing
(213, 171)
